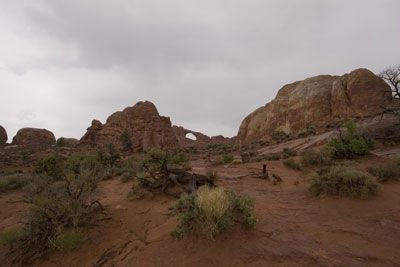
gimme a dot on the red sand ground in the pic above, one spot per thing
(293, 229)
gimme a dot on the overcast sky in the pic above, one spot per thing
(204, 63)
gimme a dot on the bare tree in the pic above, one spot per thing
(392, 76)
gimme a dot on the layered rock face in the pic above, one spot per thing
(141, 123)
(3, 136)
(34, 137)
(318, 102)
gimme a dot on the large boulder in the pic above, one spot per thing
(34, 137)
(317, 102)
(141, 123)
(3, 136)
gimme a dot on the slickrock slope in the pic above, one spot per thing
(3, 136)
(318, 102)
(34, 137)
(141, 123)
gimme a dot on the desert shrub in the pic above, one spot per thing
(248, 156)
(312, 157)
(304, 132)
(126, 140)
(14, 181)
(69, 240)
(210, 211)
(292, 164)
(289, 151)
(56, 207)
(236, 161)
(212, 174)
(60, 142)
(272, 156)
(343, 181)
(279, 135)
(350, 143)
(227, 158)
(108, 157)
(219, 148)
(52, 166)
(10, 236)
(387, 171)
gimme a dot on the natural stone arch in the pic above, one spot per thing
(191, 136)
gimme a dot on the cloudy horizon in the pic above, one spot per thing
(205, 64)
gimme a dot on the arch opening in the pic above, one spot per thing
(191, 136)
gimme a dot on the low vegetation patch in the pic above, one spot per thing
(304, 132)
(272, 156)
(69, 240)
(59, 208)
(292, 164)
(279, 136)
(13, 181)
(210, 211)
(312, 157)
(387, 171)
(343, 181)
(289, 152)
(166, 172)
(350, 143)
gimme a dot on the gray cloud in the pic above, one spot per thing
(206, 64)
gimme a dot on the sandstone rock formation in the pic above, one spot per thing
(317, 102)
(3, 136)
(34, 137)
(141, 124)
(181, 133)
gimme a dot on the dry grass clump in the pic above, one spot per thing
(210, 211)
(343, 181)
(293, 164)
(387, 171)
(13, 181)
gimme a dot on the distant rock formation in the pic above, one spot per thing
(141, 125)
(67, 142)
(181, 134)
(317, 102)
(3, 136)
(34, 137)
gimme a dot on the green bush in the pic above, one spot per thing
(304, 132)
(210, 211)
(14, 181)
(289, 152)
(56, 206)
(227, 159)
(350, 143)
(312, 157)
(69, 240)
(10, 236)
(343, 181)
(52, 166)
(108, 157)
(272, 156)
(60, 142)
(126, 140)
(386, 171)
(279, 135)
(293, 164)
